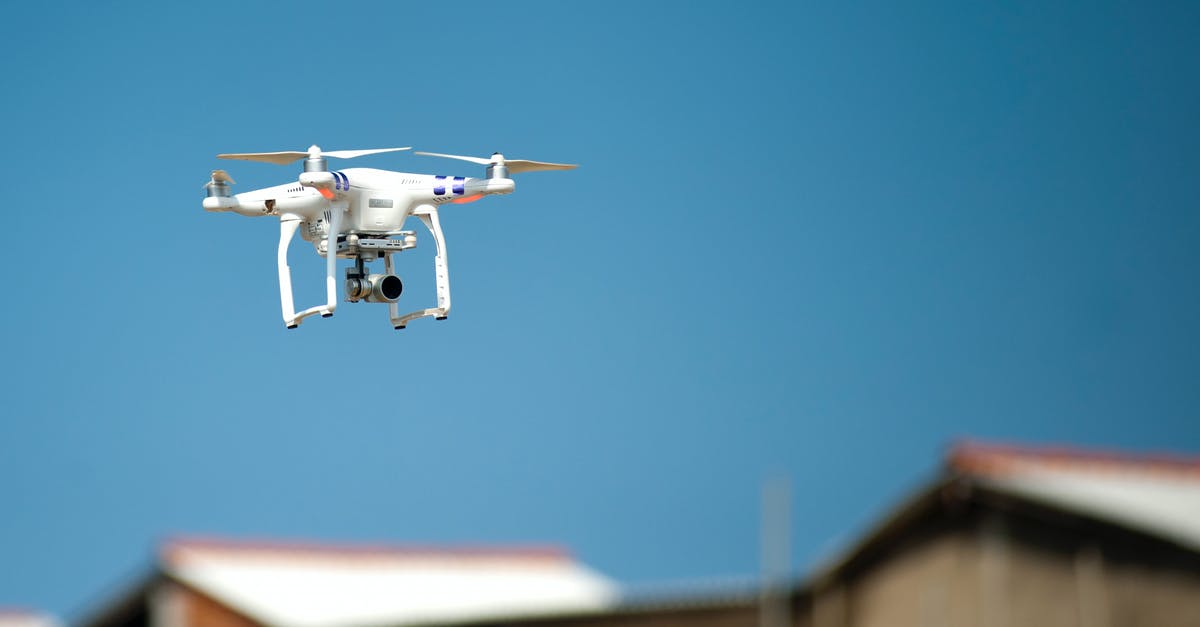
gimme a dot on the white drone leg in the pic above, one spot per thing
(389, 267)
(335, 224)
(287, 228)
(330, 305)
(441, 269)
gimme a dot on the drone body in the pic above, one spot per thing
(359, 214)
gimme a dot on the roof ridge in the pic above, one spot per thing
(172, 548)
(987, 458)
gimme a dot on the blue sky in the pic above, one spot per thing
(805, 240)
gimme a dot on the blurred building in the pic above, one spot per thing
(17, 617)
(207, 583)
(1004, 536)
(1025, 536)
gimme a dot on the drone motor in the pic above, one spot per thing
(316, 164)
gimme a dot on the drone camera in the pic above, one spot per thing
(375, 288)
(385, 288)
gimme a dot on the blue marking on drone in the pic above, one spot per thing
(337, 181)
(439, 185)
(343, 181)
(459, 188)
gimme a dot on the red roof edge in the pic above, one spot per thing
(988, 458)
(172, 549)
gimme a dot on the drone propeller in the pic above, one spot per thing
(515, 166)
(219, 177)
(314, 152)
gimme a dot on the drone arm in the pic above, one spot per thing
(429, 217)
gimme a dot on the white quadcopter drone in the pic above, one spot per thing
(359, 214)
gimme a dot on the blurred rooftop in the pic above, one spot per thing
(1155, 494)
(21, 617)
(1001, 532)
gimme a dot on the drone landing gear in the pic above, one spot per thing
(429, 217)
(287, 229)
(373, 288)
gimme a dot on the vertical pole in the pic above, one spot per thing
(775, 600)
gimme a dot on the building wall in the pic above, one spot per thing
(1139, 594)
(203, 611)
(734, 615)
(1072, 572)
(1017, 583)
(176, 605)
(924, 584)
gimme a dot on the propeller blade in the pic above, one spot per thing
(278, 158)
(459, 157)
(350, 154)
(516, 166)
(288, 156)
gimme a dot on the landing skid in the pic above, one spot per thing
(362, 249)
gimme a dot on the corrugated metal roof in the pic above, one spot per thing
(1154, 494)
(295, 585)
(1157, 495)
